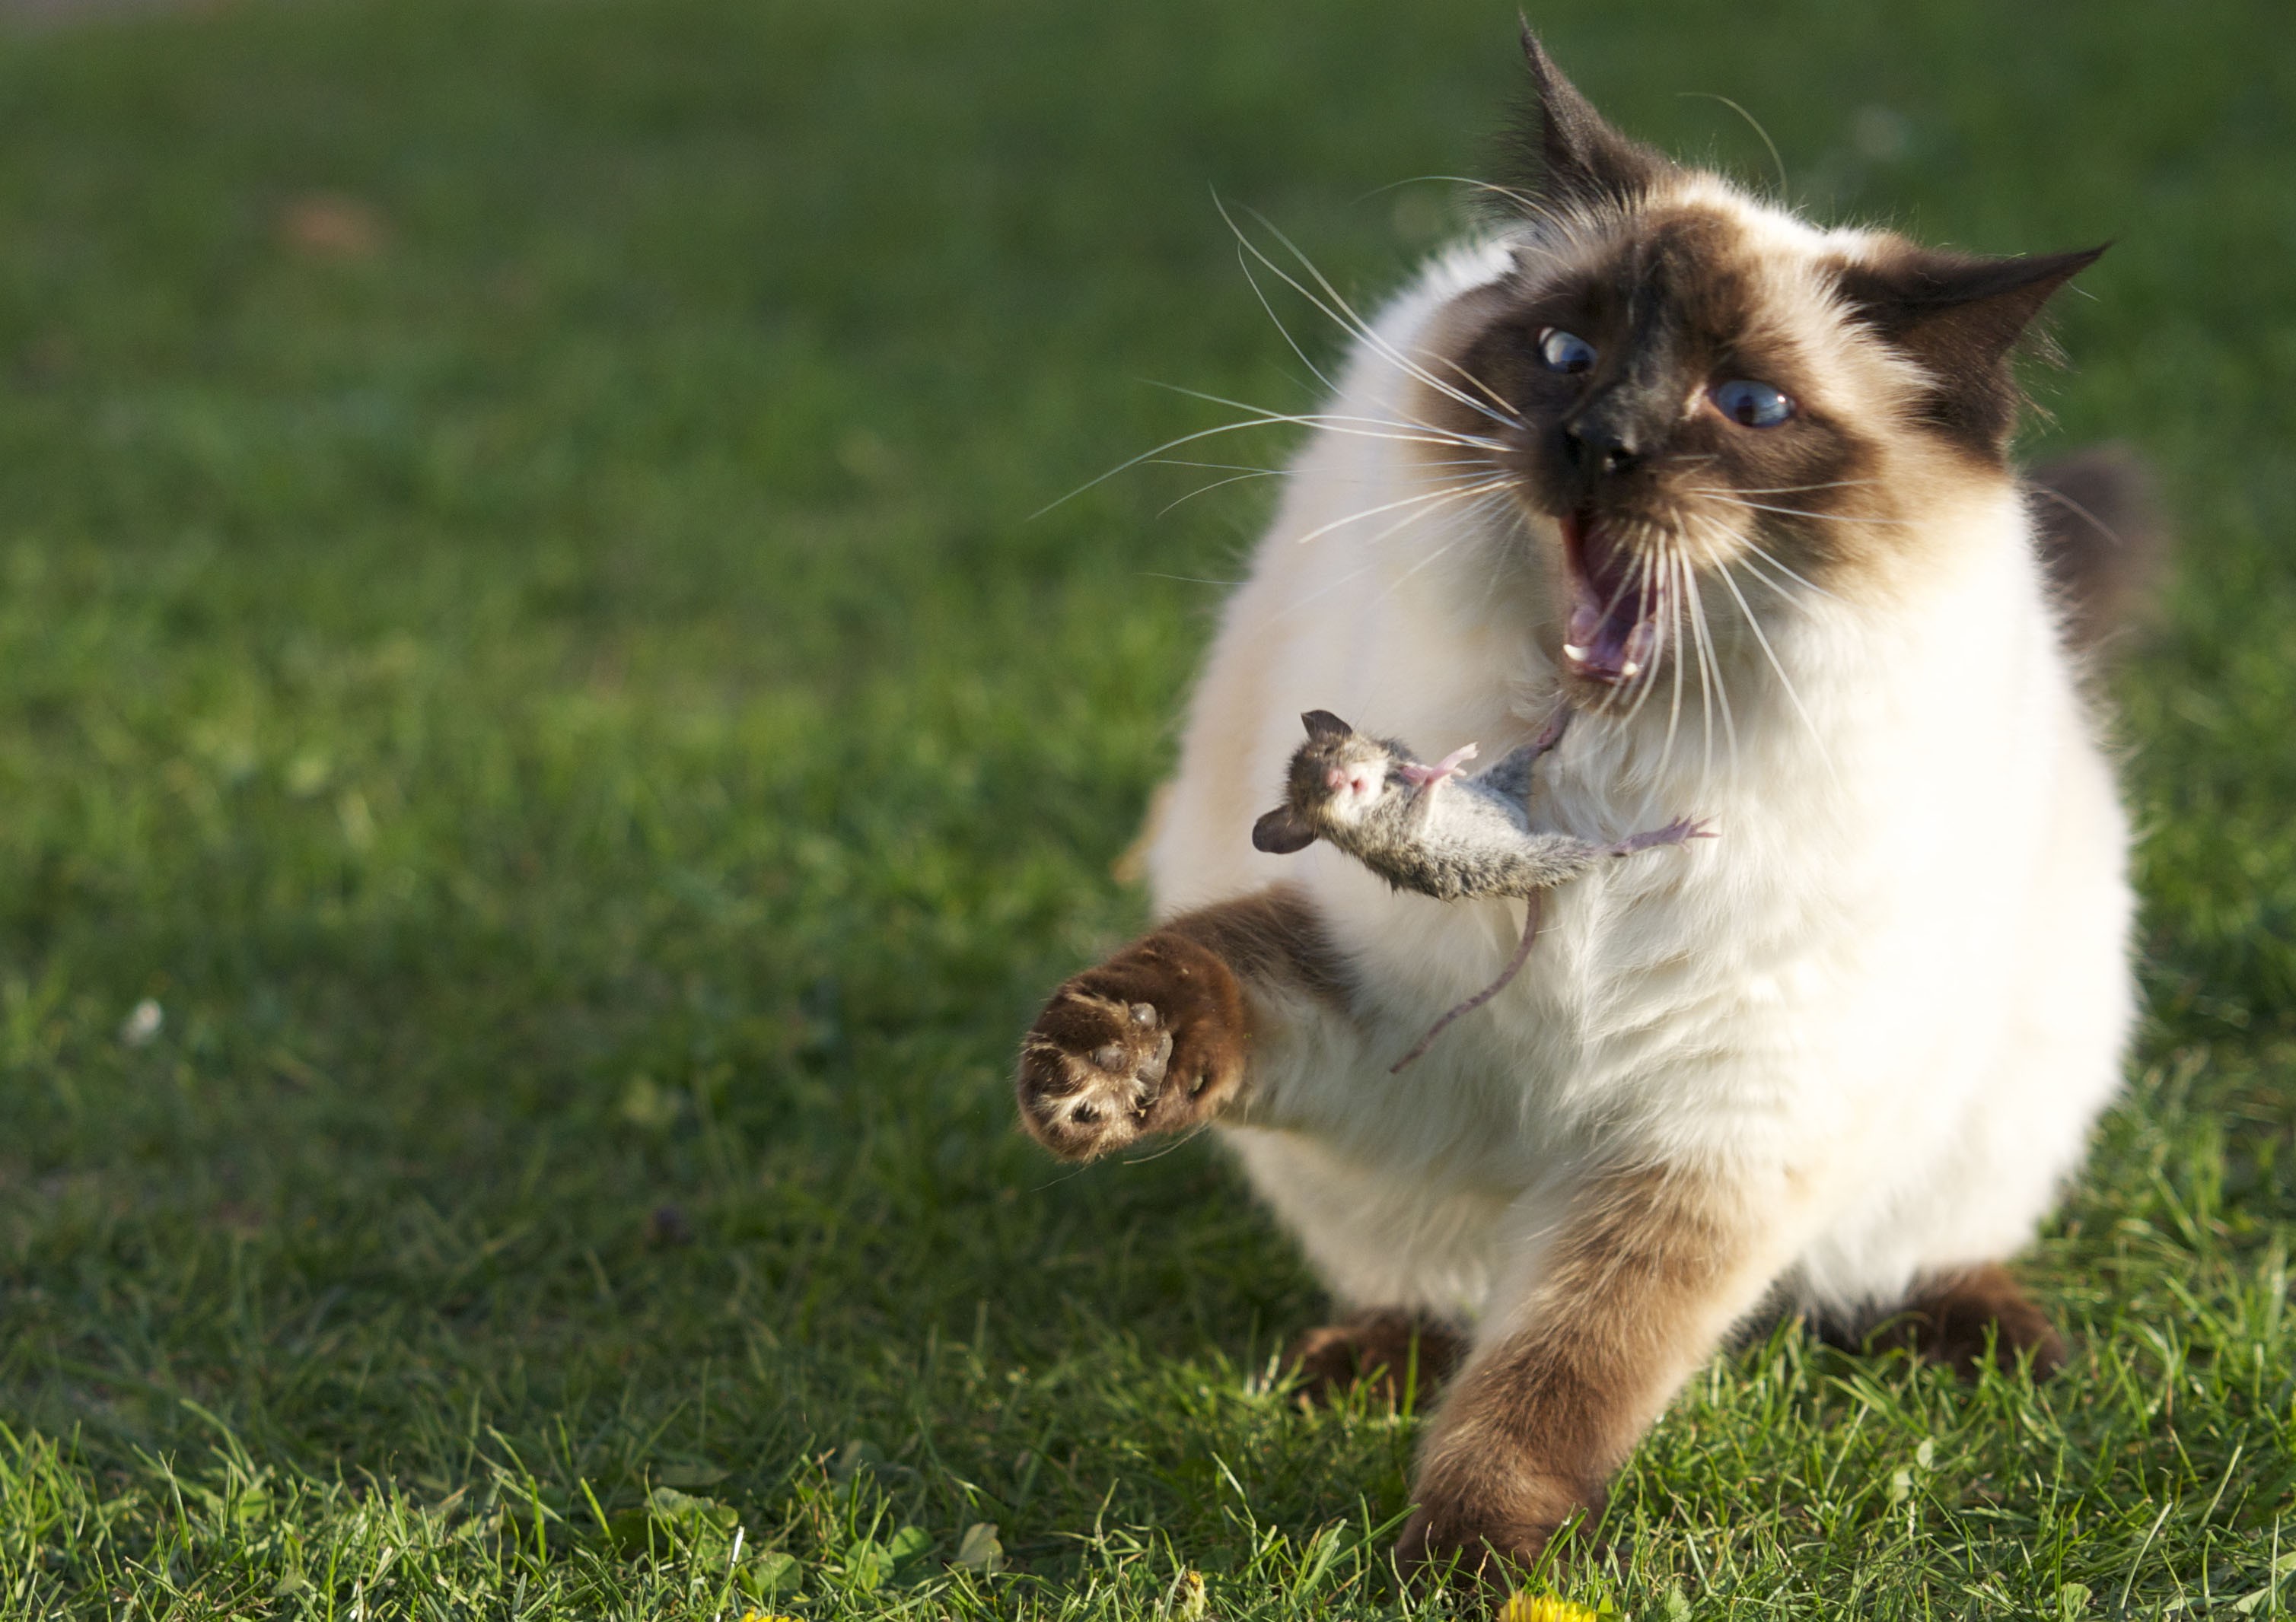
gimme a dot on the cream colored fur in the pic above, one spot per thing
(1884, 1006)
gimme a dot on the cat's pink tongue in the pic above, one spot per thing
(1612, 629)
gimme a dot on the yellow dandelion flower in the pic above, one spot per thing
(1544, 1607)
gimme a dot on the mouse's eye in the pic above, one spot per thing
(1565, 352)
(1750, 403)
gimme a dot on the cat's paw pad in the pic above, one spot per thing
(1148, 1042)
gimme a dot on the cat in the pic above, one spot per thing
(1736, 488)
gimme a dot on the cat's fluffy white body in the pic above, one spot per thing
(1891, 996)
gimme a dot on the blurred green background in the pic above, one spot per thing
(523, 639)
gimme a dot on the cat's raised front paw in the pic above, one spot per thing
(1151, 1041)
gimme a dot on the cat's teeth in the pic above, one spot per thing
(1630, 669)
(1574, 651)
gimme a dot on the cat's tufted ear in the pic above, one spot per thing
(1574, 158)
(1960, 316)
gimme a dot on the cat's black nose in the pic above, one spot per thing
(1600, 447)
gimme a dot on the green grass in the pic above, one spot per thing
(560, 700)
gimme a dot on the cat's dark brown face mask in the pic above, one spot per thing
(1703, 405)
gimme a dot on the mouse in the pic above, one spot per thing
(1429, 827)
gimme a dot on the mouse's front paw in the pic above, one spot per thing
(1151, 1041)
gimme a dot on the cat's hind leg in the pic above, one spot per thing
(1402, 1356)
(1963, 1319)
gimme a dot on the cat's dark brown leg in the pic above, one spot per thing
(1158, 1038)
(1969, 1318)
(1395, 1353)
(1647, 1271)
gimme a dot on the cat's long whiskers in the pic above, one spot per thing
(1217, 484)
(1488, 493)
(1408, 501)
(1788, 489)
(1344, 314)
(1353, 324)
(1786, 682)
(1330, 425)
(1242, 472)
(1673, 712)
(1293, 472)
(1646, 681)
(1244, 263)
(1429, 432)
(1780, 564)
(1529, 205)
(1705, 687)
(1637, 580)
(1357, 573)
(1823, 518)
(1489, 392)
(1222, 467)
(1331, 389)
(1356, 328)
(1798, 601)
(1711, 643)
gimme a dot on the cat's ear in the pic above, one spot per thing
(1281, 832)
(1960, 316)
(1573, 157)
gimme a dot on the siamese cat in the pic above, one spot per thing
(1735, 490)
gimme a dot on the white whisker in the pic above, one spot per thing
(1822, 517)
(1778, 563)
(1261, 293)
(1408, 501)
(1205, 490)
(1344, 314)
(1790, 489)
(1673, 712)
(1357, 573)
(1710, 641)
(1786, 682)
(1646, 681)
(1340, 425)
(1407, 428)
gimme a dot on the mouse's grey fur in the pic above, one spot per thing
(1426, 828)
(1454, 838)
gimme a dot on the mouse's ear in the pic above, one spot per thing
(1323, 726)
(1281, 832)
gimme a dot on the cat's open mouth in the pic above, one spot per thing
(1616, 599)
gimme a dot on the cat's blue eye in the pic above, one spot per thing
(1565, 352)
(1751, 404)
